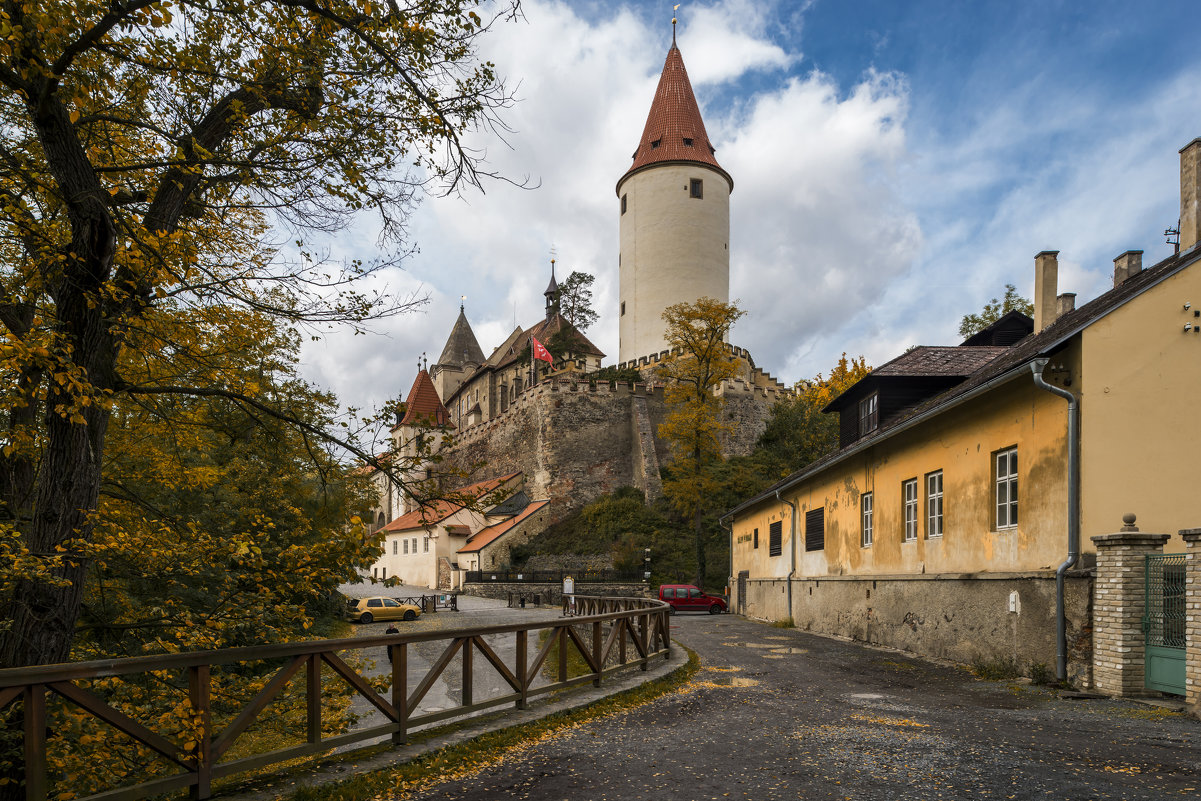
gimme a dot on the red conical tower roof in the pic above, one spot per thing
(674, 129)
(423, 406)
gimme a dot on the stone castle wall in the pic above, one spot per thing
(575, 441)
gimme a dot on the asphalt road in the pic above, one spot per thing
(778, 714)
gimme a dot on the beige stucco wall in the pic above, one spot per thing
(674, 249)
(421, 568)
(961, 443)
(1141, 425)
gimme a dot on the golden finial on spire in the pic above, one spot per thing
(674, 9)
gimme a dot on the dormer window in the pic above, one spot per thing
(687, 142)
(869, 414)
(655, 144)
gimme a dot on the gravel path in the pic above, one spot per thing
(778, 714)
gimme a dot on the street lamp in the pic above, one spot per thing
(646, 565)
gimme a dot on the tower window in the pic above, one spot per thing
(623, 308)
(696, 188)
(655, 144)
(687, 142)
(623, 203)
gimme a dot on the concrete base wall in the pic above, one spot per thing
(551, 593)
(959, 618)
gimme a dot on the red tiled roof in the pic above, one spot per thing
(494, 532)
(438, 511)
(423, 406)
(674, 129)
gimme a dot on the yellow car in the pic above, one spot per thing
(365, 610)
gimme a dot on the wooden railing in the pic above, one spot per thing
(603, 640)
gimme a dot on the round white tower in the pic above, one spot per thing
(675, 217)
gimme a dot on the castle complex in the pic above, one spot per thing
(569, 436)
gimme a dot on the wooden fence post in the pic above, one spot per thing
(400, 692)
(35, 742)
(523, 667)
(198, 695)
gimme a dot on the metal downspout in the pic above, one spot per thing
(730, 533)
(1061, 638)
(791, 548)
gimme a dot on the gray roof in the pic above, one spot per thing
(461, 345)
(939, 360)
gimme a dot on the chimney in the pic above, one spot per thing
(1064, 304)
(1190, 194)
(1046, 281)
(1127, 265)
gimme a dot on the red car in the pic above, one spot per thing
(689, 598)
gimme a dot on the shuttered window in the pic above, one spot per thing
(815, 529)
(775, 539)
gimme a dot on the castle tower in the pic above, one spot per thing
(459, 358)
(675, 216)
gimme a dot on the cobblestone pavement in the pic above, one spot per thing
(778, 714)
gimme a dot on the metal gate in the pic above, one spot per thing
(1163, 624)
(742, 577)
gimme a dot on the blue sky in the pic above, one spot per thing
(895, 165)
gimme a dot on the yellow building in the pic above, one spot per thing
(941, 522)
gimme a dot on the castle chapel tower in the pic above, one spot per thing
(675, 216)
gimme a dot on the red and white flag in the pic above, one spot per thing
(540, 352)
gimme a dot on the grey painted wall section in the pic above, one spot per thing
(960, 618)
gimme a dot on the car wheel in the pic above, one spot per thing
(715, 610)
(671, 610)
(410, 614)
(366, 617)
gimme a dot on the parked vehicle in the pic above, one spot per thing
(689, 598)
(365, 610)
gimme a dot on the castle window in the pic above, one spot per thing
(623, 203)
(687, 142)
(655, 144)
(623, 308)
(696, 188)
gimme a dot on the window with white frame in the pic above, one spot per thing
(426, 545)
(406, 546)
(865, 503)
(1006, 463)
(395, 547)
(869, 414)
(909, 507)
(414, 545)
(934, 504)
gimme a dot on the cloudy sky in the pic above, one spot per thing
(895, 165)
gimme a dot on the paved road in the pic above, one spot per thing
(778, 714)
(447, 691)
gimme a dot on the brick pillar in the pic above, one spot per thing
(1118, 605)
(1192, 618)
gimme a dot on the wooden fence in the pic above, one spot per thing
(611, 630)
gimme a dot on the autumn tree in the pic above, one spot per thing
(699, 361)
(994, 310)
(148, 150)
(798, 432)
(575, 300)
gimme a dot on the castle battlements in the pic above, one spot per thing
(759, 377)
(601, 390)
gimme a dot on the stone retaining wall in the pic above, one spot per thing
(551, 593)
(960, 618)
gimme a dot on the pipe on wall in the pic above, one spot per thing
(730, 580)
(1061, 638)
(791, 547)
